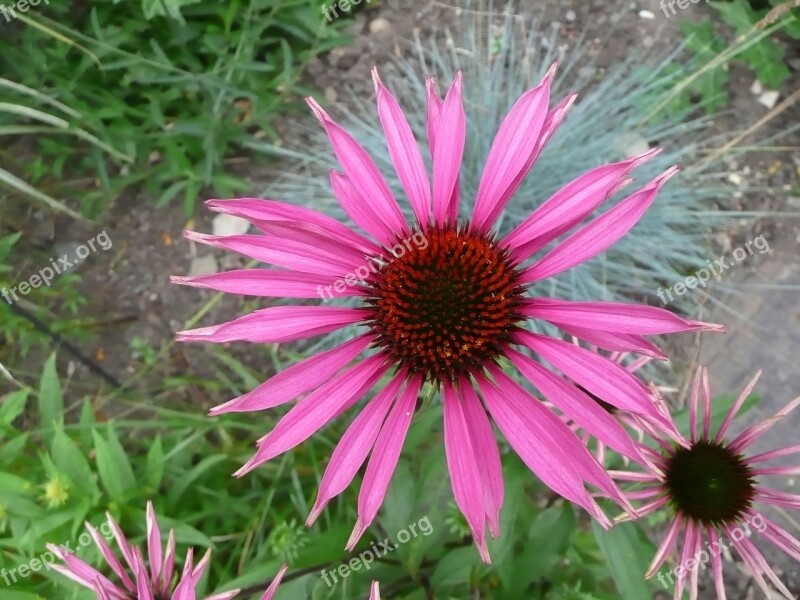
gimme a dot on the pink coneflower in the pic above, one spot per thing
(713, 489)
(443, 309)
(140, 581)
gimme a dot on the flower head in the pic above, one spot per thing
(443, 298)
(712, 487)
(56, 491)
(137, 579)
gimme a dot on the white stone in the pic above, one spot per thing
(646, 14)
(229, 225)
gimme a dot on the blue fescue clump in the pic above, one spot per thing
(610, 121)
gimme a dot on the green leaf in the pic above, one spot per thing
(13, 405)
(628, 553)
(155, 464)
(113, 466)
(51, 400)
(70, 461)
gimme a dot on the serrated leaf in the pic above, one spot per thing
(51, 399)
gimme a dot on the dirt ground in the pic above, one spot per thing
(129, 288)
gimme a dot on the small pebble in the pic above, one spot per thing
(646, 14)
(570, 16)
(380, 25)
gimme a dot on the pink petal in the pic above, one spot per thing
(319, 407)
(374, 591)
(753, 433)
(352, 450)
(487, 454)
(765, 456)
(693, 401)
(600, 376)
(599, 235)
(737, 405)
(616, 342)
(273, 587)
(716, 566)
(320, 257)
(509, 157)
(169, 564)
(186, 586)
(298, 379)
(260, 211)
(276, 324)
(362, 171)
(434, 112)
(686, 554)
(547, 446)
(404, 151)
(463, 466)
(782, 539)
(776, 498)
(110, 558)
(360, 211)
(451, 135)
(80, 571)
(200, 568)
(153, 544)
(614, 317)
(384, 458)
(706, 395)
(577, 405)
(270, 283)
(122, 543)
(570, 205)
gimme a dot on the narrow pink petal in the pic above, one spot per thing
(791, 470)
(224, 595)
(273, 587)
(169, 564)
(319, 407)
(616, 342)
(765, 456)
(143, 587)
(300, 378)
(641, 477)
(753, 433)
(777, 498)
(540, 439)
(737, 405)
(361, 212)
(101, 592)
(706, 396)
(695, 552)
(320, 257)
(694, 399)
(122, 543)
(270, 283)
(451, 136)
(782, 539)
(615, 317)
(434, 112)
(384, 458)
(509, 157)
(570, 205)
(463, 467)
(276, 324)
(761, 563)
(599, 235)
(716, 565)
(605, 379)
(200, 567)
(686, 553)
(577, 405)
(260, 211)
(404, 152)
(80, 571)
(110, 557)
(374, 591)
(186, 586)
(486, 452)
(153, 544)
(362, 171)
(352, 450)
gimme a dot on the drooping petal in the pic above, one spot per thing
(404, 152)
(599, 235)
(540, 439)
(294, 381)
(754, 432)
(270, 283)
(577, 405)
(384, 459)
(260, 211)
(486, 452)
(273, 587)
(319, 407)
(319, 257)
(362, 213)
(352, 450)
(80, 571)
(276, 324)
(122, 542)
(570, 205)
(613, 317)
(362, 171)
(451, 135)
(616, 342)
(716, 565)
(509, 157)
(464, 469)
(781, 538)
(110, 557)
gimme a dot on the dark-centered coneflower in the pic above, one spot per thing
(443, 300)
(712, 487)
